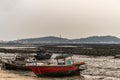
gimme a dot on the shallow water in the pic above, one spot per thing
(98, 68)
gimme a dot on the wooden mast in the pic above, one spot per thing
(61, 47)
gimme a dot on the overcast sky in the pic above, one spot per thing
(70, 18)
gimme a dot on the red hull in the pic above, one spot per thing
(56, 70)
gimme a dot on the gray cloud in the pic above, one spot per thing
(71, 18)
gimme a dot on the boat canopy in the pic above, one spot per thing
(62, 56)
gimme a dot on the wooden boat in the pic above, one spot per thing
(18, 61)
(9, 66)
(64, 68)
(43, 56)
(14, 64)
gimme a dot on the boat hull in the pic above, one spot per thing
(60, 74)
(55, 71)
(15, 67)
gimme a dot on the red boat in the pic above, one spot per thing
(61, 69)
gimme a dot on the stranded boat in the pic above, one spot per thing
(18, 61)
(63, 66)
(43, 56)
(14, 63)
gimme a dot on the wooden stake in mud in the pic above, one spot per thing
(2, 66)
